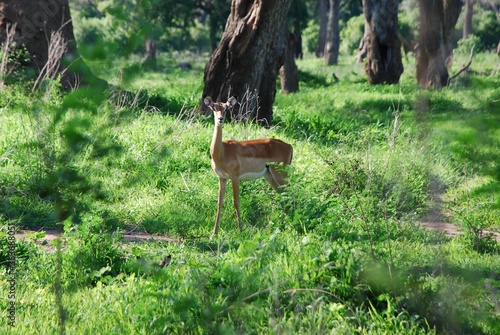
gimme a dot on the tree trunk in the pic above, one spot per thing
(384, 62)
(333, 34)
(248, 57)
(323, 23)
(434, 52)
(469, 9)
(289, 73)
(36, 21)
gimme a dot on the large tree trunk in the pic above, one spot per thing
(36, 21)
(333, 34)
(435, 51)
(384, 62)
(248, 57)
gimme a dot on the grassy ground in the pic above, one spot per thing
(340, 251)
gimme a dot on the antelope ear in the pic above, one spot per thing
(232, 101)
(208, 101)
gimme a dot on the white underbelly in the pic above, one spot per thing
(253, 175)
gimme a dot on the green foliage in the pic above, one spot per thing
(112, 28)
(486, 26)
(298, 15)
(465, 46)
(408, 17)
(310, 37)
(16, 68)
(351, 34)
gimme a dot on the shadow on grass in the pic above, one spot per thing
(27, 212)
(312, 80)
(443, 306)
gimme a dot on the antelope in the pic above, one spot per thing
(244, 160)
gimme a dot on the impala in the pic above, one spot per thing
(245, 160)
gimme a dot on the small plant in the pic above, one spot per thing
(24, 250)
(93, 252)
(13, 58)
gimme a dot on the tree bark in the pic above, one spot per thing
(435, 51)
(36, 21)
(333, 34)
(363, 44)
(384, 61)
(248, 57)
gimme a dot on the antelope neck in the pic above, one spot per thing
(216, 146)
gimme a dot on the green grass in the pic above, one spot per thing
(339, 251)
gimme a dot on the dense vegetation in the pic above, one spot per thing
(340, 251)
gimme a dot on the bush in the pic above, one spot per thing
(352, 34)
(486, 26)
(464, 46)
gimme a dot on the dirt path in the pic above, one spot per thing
(437, 219)
(450, 229)
(428, 222)
(128, 237)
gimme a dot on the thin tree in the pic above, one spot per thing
(384, 63)
(332, 43)
(469, 11)
(249, 55)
